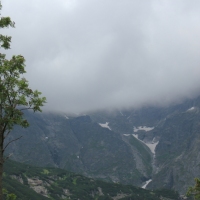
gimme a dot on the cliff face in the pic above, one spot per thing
(129, 146)
(175, 131)
(178, 151)
(80, 145)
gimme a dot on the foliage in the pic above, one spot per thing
(60, 183)
(9, 196)
(45, 171)
(195, 191)
(5, 22)
(16, 95)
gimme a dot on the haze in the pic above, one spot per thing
(87, 55)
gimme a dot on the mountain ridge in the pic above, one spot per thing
(113, 152)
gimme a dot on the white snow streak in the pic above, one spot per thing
(152, 145)
(146, 183)
(105, 125)
(191, 109)
(142, 128)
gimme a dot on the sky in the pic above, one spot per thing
(87, 55)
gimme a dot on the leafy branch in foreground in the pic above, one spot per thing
(15, 94)
(195, 191)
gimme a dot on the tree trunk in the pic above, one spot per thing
(1, 173)
(1, 162)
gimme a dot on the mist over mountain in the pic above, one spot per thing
(89, 55)
(149, 147)
(122, 84)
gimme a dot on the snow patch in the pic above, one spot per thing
(191, 109)
(152, 145)
(136, 136)
(105, 125)
(146, 183)
(142, 128)
(66, 117)
(126, 134)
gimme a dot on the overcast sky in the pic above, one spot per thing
(93, 54)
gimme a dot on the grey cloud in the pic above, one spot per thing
(87, 54)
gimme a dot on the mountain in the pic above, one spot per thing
(175, 132)
(83, 146)
(35, 183)
(158, 145)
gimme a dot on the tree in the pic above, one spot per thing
(195, 191)
(15, 94)
(9, 196)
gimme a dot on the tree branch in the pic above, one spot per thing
(6, 158)
(29, 108)
(11, 142)
(11, 115)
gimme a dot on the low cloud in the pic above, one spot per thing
(87, 55)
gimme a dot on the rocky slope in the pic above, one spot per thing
(175, 133)
(28, 182)
(83, 146)
(156, 144)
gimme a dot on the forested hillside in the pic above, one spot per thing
(28, 182)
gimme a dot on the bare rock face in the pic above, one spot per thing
(177, 154)
(176, 132)
(18, 178)
(81, 145)
(38, 186)
(131, 146)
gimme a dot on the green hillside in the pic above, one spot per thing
(53, 183)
